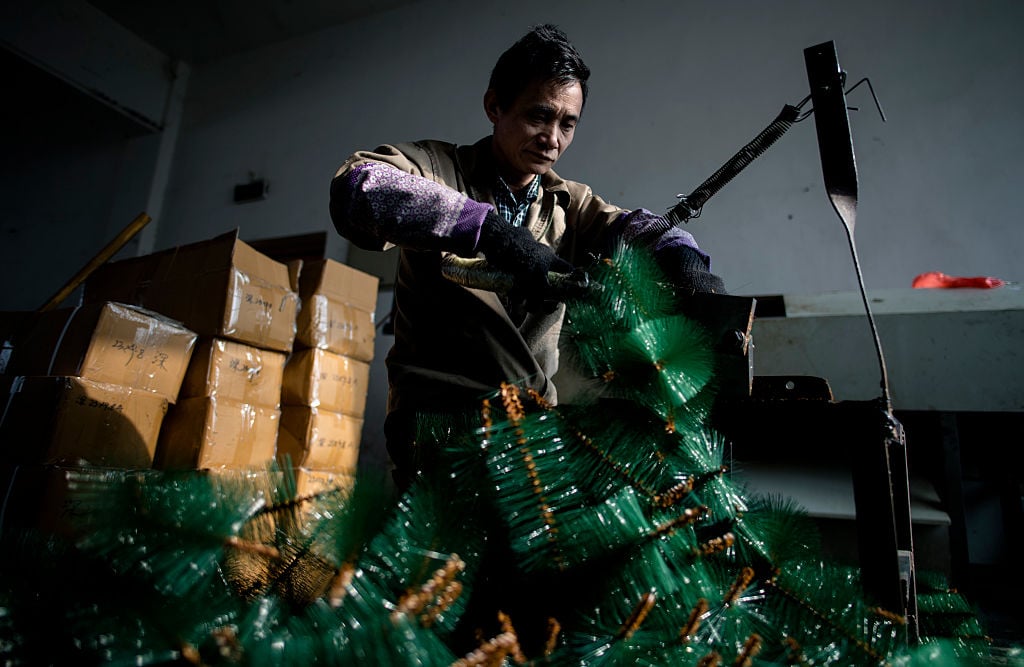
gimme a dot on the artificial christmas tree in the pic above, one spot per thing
(602, 532)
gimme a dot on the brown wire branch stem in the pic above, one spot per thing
(751, 648)
(694, 620)
(248, 546)
(740, 584)
(689, 516)
(492, 652)
(640, 612)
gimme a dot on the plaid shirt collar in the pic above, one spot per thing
(512, 205)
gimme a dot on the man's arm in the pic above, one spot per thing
(675, 250)
(381, 199)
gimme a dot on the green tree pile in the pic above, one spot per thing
(602, 532)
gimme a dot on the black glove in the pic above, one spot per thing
(514, 250)
(688, 270)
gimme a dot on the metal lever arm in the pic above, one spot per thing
(689, 206)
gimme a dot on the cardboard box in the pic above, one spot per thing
(322, 379)
(214, 432)
(218, 288)
(235, 371)
(74, 421)
(108, 342)
(318, 439)
(310, 482)
(340, 282)
(338, 305)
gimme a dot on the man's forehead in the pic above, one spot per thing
(553, 96)
(550, 111)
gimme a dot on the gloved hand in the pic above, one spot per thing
(689, 271)
(513, 249)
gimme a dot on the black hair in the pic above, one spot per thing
(543, 54)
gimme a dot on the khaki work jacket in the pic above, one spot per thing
(453, 344)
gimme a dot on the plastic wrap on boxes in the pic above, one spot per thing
(215, 432)
(309, 482)
(222, 287)
(74, 421)
(322, 379)
(108, 342)
(235, 371)
(337, 327)
(337, 312)
(318, 439)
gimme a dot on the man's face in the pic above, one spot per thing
(532, 134)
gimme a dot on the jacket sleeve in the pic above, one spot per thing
(641, 224)
(381, 199)
(675, 249)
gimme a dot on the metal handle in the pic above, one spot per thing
(126, 234)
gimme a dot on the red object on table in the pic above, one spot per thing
(938, 279)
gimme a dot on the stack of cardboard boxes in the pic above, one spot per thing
(229, 413)
(326, 377)
(90, 386)
(242, 306)
(197, 357)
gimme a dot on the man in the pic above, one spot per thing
(498, 198)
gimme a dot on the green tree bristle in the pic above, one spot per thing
(583, 512)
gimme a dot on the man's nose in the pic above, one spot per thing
(549, 136)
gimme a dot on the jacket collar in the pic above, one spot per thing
(481, 172)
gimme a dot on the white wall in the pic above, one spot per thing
(677, 88)
(73, 173)
(87, 135)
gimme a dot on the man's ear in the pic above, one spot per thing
(491, 105)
